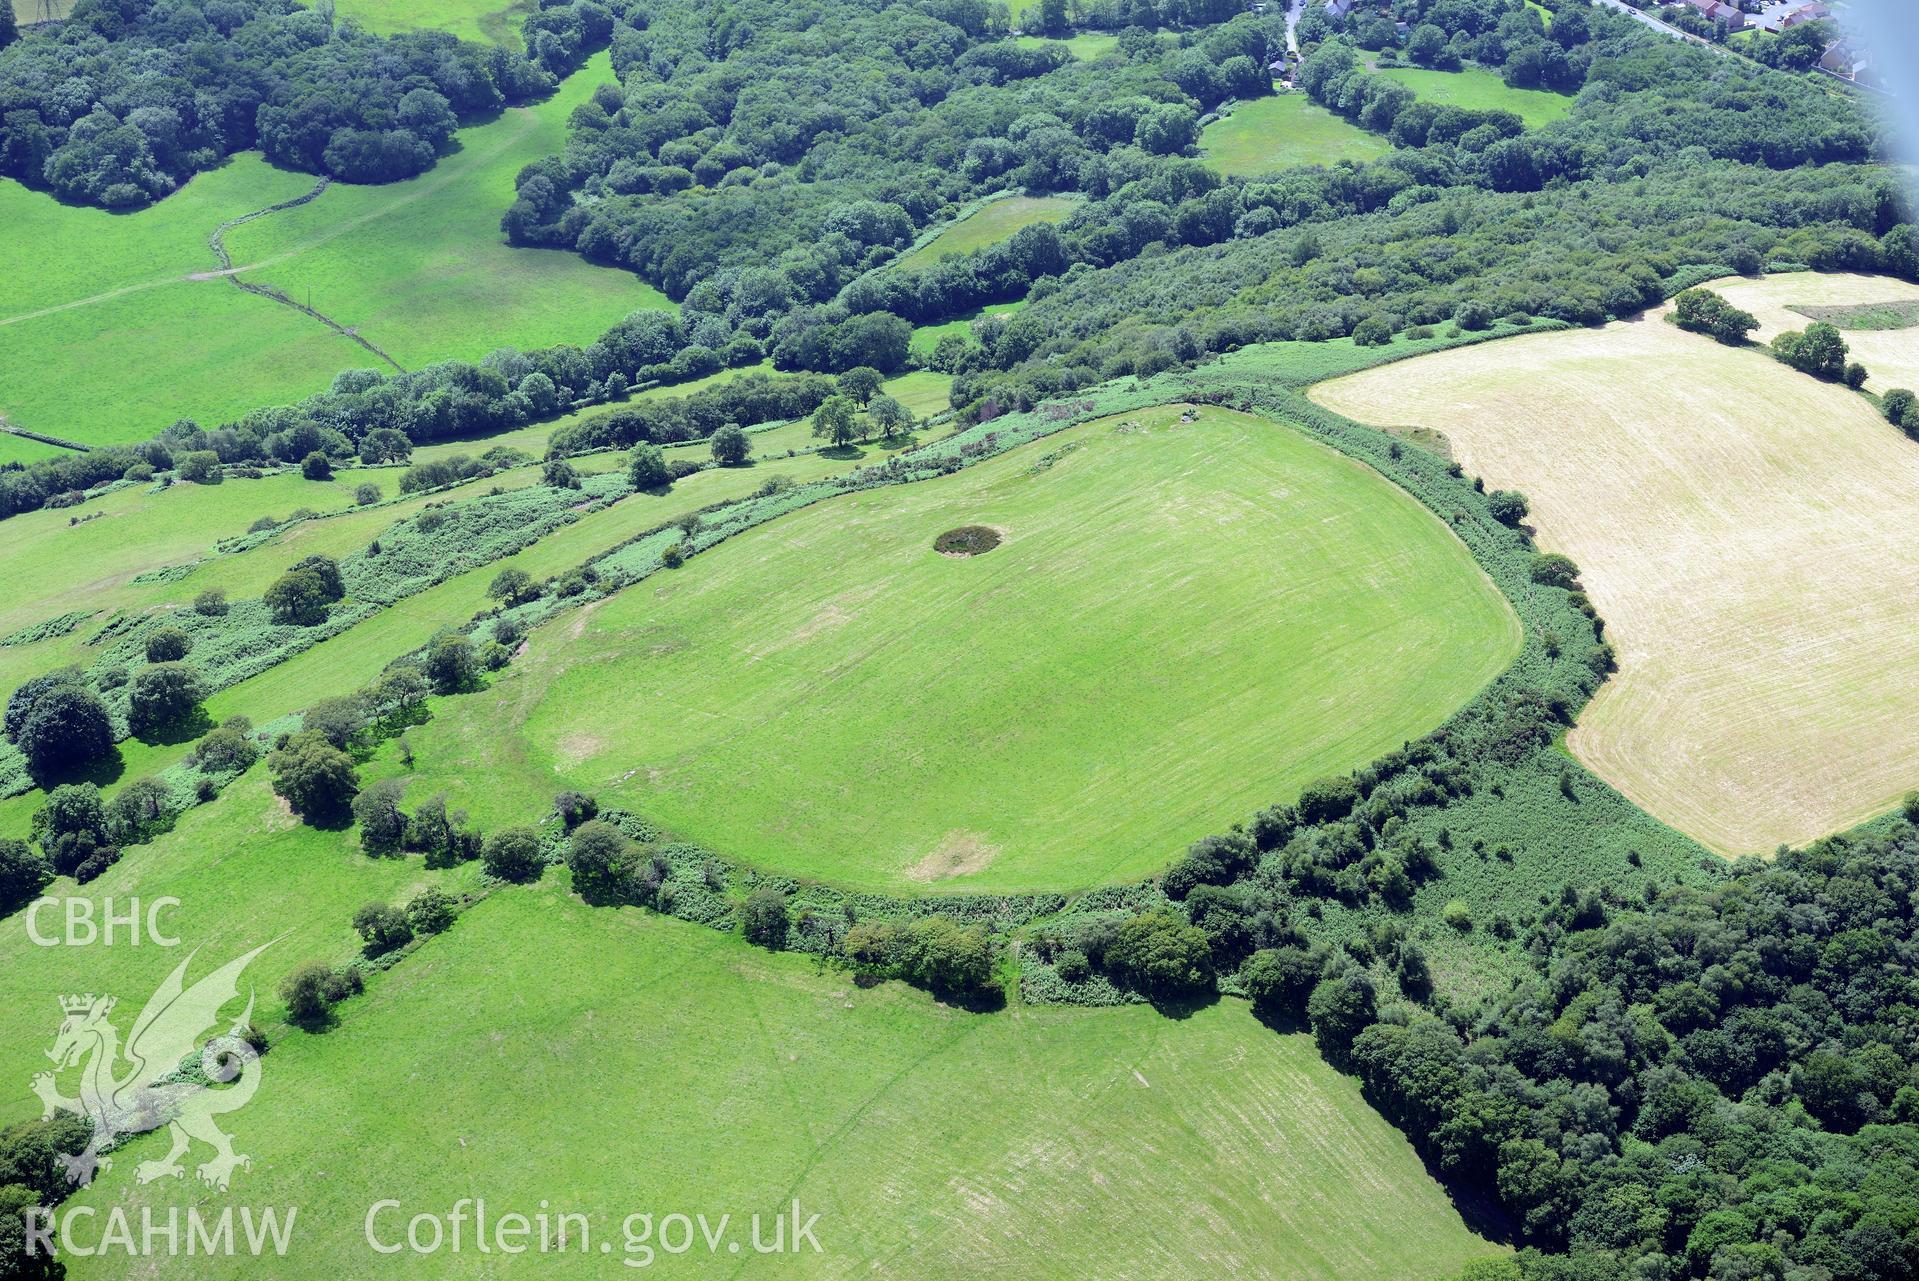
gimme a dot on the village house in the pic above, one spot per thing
(1720, 11)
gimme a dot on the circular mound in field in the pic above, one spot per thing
(967, 540)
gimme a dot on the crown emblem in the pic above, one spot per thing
(78, 1004)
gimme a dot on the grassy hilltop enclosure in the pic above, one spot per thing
(1744, 531)
(1269, 134)
(135, 326)
(485, 21)
(1061, 1143)
(1227, 609)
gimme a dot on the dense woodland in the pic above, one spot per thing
(124, 101)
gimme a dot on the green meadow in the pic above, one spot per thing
(1087, 46)
(1226, 608)
(1481, 90)
(1269, 134)
(992, 222)
(421, 268)
(682, 1072)
(482, 21)
(926, 337)
(128, 328)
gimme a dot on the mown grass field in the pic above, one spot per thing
(1087, 46)
(683, 1072)
(109, 340)
(1744, 530)
(1481, 90)
(421, 267)
(991, 223)
(1891, 356)
(112, 339)
(1269, 134)
(927, 337)
(245, 872)
(481, 21)
(1225, 608)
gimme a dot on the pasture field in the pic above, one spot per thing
(1087, 46)
(245, 871)
(111, 339)
(924, 392)
(1891, 356)
(1481, 90)
(932, 1143)
(1745, 532)
(830, 697)
(481, 21)
(992, 222)
(927, 337)
(1268, 134)
(421, 267)
(129, 327)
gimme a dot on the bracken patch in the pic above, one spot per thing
(967, 540)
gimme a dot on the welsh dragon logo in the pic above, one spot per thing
(151, 1083)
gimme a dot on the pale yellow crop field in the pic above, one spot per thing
(1891, 356)
(1747, 534)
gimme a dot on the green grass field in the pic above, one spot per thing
(482, 21)
(829, 697)
(1481, 90)
(1087, 46)
(112, 339)
(991, 223)
(1287, 129)
(682, 1072)
(927, 337)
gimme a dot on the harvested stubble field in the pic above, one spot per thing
(1746, 533)
(1891, 356)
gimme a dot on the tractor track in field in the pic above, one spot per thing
(217, 242)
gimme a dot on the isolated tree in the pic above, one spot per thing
(23, 874)
(72, 830)
(763, 918)
(513, 586)
(1508, 506)
(382, 928)
(861, 382)
(202, 467)
(646, 468)
(450, 664)
(382, 823)
(166, 645)
(1896, 404)
(316, 778)
(1704, 311)
(429, 912)
(63, 725)
(300, 597)
(889, 416)
(731, 445)
(316, 466)
(1817, 350)
(559, 474)
(1159, 952)
(162, 697)
(513, 854)
(366, 494)
(211, 603)
(1555, 570)
(385, 445)
(835, 420)
(595, 855)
